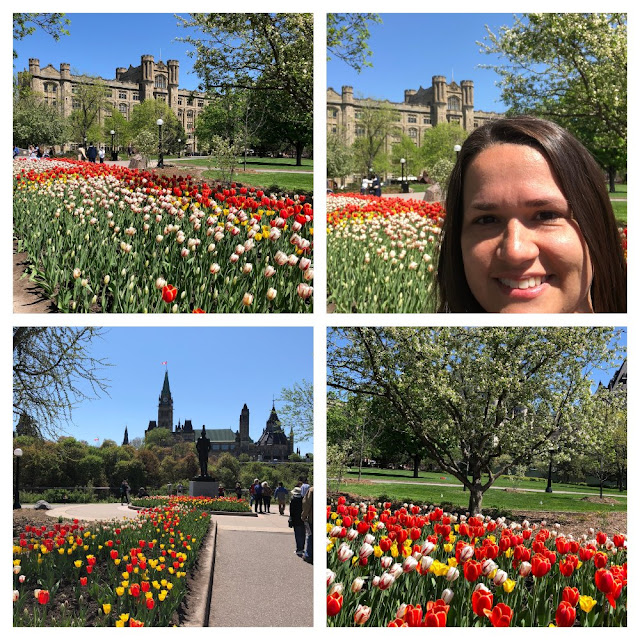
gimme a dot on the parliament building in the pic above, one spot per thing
(272, 445)
(131, 86)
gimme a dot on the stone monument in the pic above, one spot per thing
(204, 484)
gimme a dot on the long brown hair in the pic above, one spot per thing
(582, 183)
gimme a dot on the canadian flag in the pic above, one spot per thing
(165, 362)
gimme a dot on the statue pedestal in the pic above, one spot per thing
(206, 488)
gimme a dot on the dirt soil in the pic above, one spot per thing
(28, 297)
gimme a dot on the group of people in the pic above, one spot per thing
(371, 186)
(92, 153)
(34, 152)
(125, 490)
(301, 519)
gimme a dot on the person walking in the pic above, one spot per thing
(124, 492)
(257, 492)
(252, 493)
(304, 486)
(92, 153)
(238, 491)
(295, 519)
(266, 496)
(281, 496)
(307, 518)
(101, 155)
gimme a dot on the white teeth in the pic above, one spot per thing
(526, 283)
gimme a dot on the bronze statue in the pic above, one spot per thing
(202, 447)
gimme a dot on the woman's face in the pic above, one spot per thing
(522, 251)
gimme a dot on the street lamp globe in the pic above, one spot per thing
(17, 452)
(159, 122)
(112, 132)
(457, 148)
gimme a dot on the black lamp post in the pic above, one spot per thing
(114, 153)
(160, 122)
(549, 489)
(85, 145)
(179, 146)
(457, 148)
(405, 184)
(16, 487)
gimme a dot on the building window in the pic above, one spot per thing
(179, 102)
(190, 101)
(50, 87)
(122, 108)
(122, 95)
(397, 117)
(136, 96)
(74, 89)
(412, 119)
(453, 104)
(334, 129)
(108, 92)
(75, 104)
(359, 130)
(332, 113)
(426, 120)
(160, 82)
(413, 133)
(358, 115)
(200, 104)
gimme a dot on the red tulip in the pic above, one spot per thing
(436, 615)
(83, 581)
(43, 596)
(565, 615)
(600, 559)
(605, 581)
(571, 595)
(540, 565)
(169, 293)
(334, 604)
(150, 603)
(472, 570)
(482, 602)
(501, 615)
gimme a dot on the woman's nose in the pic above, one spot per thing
(518, 243)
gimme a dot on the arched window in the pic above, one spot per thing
(413, 133)
(453, 103)
(122, 107)
(161, 82)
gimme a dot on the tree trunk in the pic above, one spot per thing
(475, 500)
(612, 179)
(416, 465)
(299, 150)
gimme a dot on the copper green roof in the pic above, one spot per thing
(221, 435)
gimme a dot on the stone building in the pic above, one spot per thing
(420, 110)
(149, 80)
(273, 444)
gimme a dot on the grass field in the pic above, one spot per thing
(503, 481)
(500, 499)
(620, 211)
(284, 164)
(290, 182)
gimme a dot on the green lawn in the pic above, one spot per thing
(286, 164)
(621, 191)
(620, 211)
(493, 499)
(402, 475)
(290, 182)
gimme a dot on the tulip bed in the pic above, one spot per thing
(380, 254)
(131, 574)
(417, 566)
(111, 239)
(200, 503)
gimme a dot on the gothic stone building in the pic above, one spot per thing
(150, 80)
(420, 110)
(273, 444)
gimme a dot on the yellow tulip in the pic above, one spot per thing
(587, 603)
(508, 585)
(106, 608)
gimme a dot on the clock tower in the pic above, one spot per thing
(165, 405)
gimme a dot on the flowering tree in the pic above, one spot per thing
(481, 400)
(297, 410)
(571, 68)
(347, 36)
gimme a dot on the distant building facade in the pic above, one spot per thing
(131, 86)
(421, 110)
(273, 444)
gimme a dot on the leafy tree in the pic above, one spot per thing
(25, 24)
(227, 470)
(235, 49)
(118, 123)
(339, 157)
(297, 411)
(151, 464)
(438, 143)
(54, 371)
(90, 98)
(480, 400)
(374, 126)
(440, 172)
(36, 122)
(347, 38)
(158, 437)
(570, 68)
(131, 470)
(408, 150)
(143, 127)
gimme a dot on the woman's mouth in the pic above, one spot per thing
(523, 283)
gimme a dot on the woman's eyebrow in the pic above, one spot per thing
(486, 205)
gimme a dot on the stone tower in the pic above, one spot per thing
(165, 405)
(146, 85)
(439, 84)
(126, 437)
(172, 101)
(467, 105)
(244, 424)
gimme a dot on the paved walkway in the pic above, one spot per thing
(96, 511)
(258, 579)
(494, 488)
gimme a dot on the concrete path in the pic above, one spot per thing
(258, 580)
(494, 488)
(98, 511)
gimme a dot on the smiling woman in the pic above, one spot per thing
(529, 226)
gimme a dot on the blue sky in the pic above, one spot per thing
(99, 42)
(408, 49)
(213, 371)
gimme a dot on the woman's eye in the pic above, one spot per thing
(548, 215)
(485, 220)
